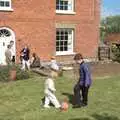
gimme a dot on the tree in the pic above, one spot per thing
(109, 25)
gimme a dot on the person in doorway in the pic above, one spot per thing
(12, 51)
(82, 87)
(8, 55)
(25, 53)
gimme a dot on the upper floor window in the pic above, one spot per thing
(5, 5)
(65, 6)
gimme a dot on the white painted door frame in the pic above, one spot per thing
(4, 41)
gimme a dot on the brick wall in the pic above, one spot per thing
(33, 22)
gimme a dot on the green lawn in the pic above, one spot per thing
(20, 100)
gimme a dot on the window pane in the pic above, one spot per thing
(61, 2)
(65, 48)
(62, 32)
(2, 3)
(5, 33)
(65, 2)
(57, 32)
(61, 43)
(57, 1)
(66, 33)
(66, 37)
(65, 43)
(57, 48)
(66, 7)
(61, 48)
(62, 38)
(57, 43)
(57, 37)
(61, 7)
(57, 7)
(7, 4)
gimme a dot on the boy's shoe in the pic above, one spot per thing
(46, 106)
(84, 104)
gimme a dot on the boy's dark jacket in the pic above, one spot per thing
(85, 75)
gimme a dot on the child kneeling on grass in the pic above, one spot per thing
(50, 90)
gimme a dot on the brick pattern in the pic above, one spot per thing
(34, 23)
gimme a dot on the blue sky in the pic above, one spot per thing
(110, 7)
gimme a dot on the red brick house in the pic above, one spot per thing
(50, 27)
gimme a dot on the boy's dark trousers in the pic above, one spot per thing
(80, 95)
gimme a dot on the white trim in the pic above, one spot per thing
(6, 8)
(65, 53)
(65, 12)
(12, 36)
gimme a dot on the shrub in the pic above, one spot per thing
(116, 52)
(20, 75)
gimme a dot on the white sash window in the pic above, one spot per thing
(5, 5)
(65, 6)
(64, 41)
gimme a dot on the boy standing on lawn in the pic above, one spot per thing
(82, 87)
(50, 90)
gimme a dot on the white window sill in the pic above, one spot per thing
(65, 53)
(6, 9)
(65, 12)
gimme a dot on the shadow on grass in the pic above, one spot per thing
(70, 97)
(105, 116)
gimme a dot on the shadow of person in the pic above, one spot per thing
(104, 116)
(70, 97)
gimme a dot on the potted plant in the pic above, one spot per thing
(12, 73)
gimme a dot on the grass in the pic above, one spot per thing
(21, 100)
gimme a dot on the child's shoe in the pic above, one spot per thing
(46, 106)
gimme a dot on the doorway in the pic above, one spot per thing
(6, 35)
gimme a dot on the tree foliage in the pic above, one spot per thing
(109, 25)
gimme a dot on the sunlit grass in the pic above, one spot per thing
(21, 100)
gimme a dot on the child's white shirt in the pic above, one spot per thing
(49, 86)
(54, 65)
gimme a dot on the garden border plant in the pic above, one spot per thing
(20, 74)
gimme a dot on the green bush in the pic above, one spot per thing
(5, 73)
(116, 52)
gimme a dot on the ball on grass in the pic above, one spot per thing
(64, 106)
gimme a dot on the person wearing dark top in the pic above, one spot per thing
(82, 87)
(25, 53)
(35, 61)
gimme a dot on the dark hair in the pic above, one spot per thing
(8, 46)
(78, 56)
(11, 41)
(34, 54)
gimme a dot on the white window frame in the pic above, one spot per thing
(70, 48)
(5, 8)
(71, 11)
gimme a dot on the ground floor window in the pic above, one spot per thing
(64, 41)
